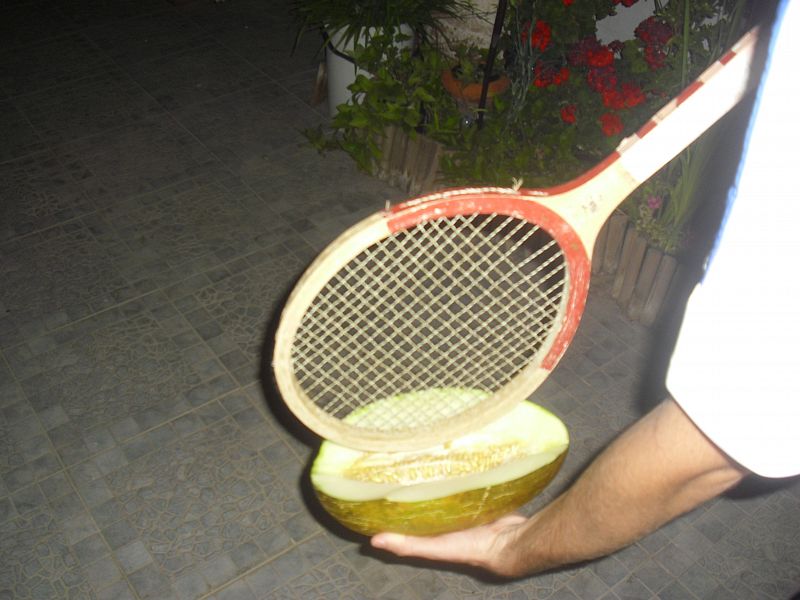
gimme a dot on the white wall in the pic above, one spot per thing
(478, 31)
(475, 31)
(620, 26)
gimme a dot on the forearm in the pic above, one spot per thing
(658, 469)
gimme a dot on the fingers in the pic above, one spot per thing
(449, 547)
(471, 546)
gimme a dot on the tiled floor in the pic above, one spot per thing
(156, 203)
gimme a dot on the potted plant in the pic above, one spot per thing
(464, 79)
(347, 23)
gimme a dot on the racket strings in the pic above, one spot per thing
(463, 302)
(439, 304)
(409, 361)
(504, 285)
(424, 332)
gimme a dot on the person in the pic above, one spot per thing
(734, 407)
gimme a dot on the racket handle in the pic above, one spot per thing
(707, 99)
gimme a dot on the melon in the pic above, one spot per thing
(463, 483)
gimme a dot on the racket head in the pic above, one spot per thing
(467, 289)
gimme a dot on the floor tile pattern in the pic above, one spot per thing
(157, 201)
(38, 192)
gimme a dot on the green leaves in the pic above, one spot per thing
(400, 89)
(423, 95)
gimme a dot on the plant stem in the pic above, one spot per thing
(687, 13)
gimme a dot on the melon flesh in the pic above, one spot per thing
(466, 482)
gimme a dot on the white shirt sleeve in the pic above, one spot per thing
(735, 369)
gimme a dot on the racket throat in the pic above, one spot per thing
(587, 202)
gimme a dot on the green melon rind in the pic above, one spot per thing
(441, 515)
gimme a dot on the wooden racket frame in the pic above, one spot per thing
(572, 213)
(496, 201)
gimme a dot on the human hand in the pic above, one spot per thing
(486, 546)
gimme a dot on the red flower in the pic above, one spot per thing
(655, 57)
(611, 124)
(632, 94)
(602, 79)
(653, 203)
(568, 2)
(628, 96)
(561, 76)
(577, 54)
(612, 98)
(626, 2)
(544, 75)
(599, 57)
(568, 113)
(653, 31)
(539, 37)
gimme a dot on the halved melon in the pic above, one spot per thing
(468, 481)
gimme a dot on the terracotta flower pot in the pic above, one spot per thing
(471, 92)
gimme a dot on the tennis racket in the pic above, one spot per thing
(453, 307)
